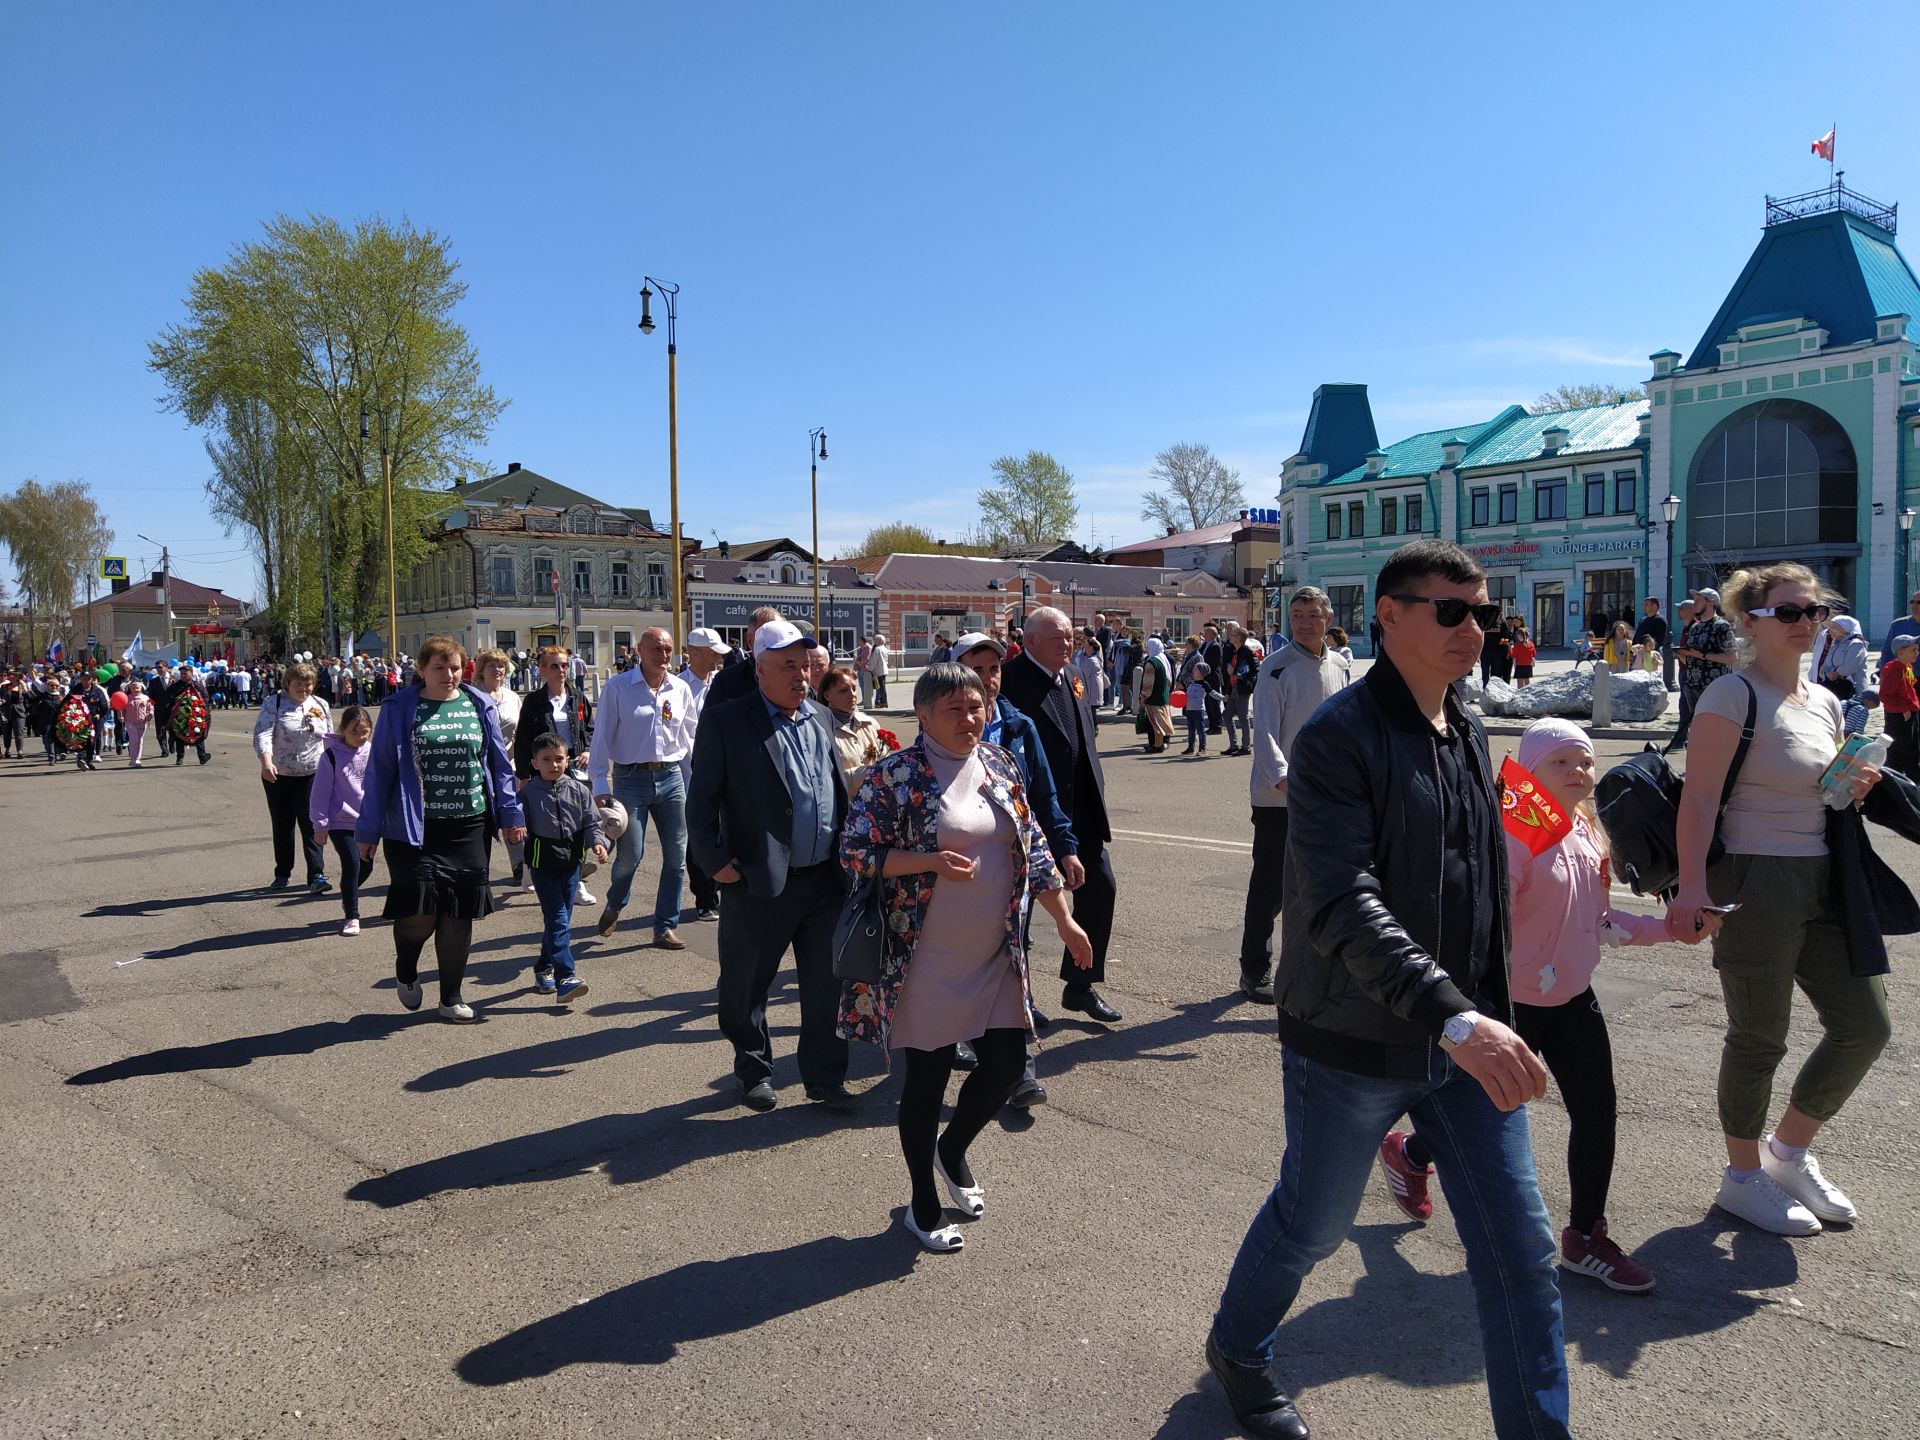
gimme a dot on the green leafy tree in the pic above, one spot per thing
(282, 349)
(1197, 489)
(55, 535)
(898, 538)
(1574, 397)
(1030, 502)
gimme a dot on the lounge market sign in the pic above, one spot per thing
(1533, 553)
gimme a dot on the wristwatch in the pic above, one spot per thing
(1458, 1029)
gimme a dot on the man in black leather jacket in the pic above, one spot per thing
(1391, 985)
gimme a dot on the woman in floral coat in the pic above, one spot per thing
(959, 850)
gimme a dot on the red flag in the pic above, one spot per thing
(1530, 814)
(1823, 147)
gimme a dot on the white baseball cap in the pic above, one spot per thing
(706, 639)
(781, 635)
(973, 640)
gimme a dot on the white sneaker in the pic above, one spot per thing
(409, 995)
(1759, 1200)
(459, 1013)
(1803, 1181)
(581, 897)
(352, 927)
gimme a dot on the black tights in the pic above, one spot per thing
(1003, 1055)
(1572, 1039)
(451, 940)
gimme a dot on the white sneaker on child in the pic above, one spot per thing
(352, 927)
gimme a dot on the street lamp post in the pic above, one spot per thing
(326, 555)
(166, 590)
(670, 296)
(1906, 554)
(816, 440)
(393, 586)
(1670, 511)
(1026, 591)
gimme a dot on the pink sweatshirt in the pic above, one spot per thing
(1562, 915)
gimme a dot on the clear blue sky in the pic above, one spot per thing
(944, 232)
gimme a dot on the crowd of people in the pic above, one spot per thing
(1430, 973)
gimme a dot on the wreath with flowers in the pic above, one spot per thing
(191, 722)
(73, 725)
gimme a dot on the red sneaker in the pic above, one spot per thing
(1598, 1256)
(1406, 1182)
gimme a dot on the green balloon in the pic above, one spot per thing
(106, 672)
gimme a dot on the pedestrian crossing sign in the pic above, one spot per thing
(113, 567)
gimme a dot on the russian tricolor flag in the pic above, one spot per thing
(57, 652)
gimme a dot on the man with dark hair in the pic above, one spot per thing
(1652, 630)
(735, 681)
(1391, 988)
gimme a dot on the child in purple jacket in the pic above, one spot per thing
(334, 806)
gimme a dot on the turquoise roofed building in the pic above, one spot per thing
(1791, 432)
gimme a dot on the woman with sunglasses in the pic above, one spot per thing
(1776, 925)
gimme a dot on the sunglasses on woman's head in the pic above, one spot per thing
(1450, 612)
(1792, 614)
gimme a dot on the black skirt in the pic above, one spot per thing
(447, 875)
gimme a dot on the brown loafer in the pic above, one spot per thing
(608, 919)
(667, 940)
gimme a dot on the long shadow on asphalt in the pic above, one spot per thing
(1416, 1329)
(177, 902)
(629, 1149)
(245, 1049)
(645, 1323)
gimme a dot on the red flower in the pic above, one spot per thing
(890, 740)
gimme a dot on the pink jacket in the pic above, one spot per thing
(1562, 915)
(139, 710)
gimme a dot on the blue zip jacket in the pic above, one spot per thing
(1018, 735)
(392, 807)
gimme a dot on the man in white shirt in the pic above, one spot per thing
(877, 661)
(642, 735)
(705, 652)
(1293, 682)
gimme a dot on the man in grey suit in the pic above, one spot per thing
(763, 819)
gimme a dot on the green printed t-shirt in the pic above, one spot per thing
(447, 741)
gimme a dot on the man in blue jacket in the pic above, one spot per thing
(1014, 732)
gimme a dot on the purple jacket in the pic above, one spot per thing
(334, 803)
(392, 807)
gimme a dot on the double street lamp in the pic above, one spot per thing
(670, 296)
(816, 441)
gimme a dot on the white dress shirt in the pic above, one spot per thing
(640, 722)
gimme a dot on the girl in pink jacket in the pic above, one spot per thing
(138, 712)
(1562, 914)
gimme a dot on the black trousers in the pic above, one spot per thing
(1573, 1040)
(1687, 698)
(1093, 908)
(287, 808)
(1903, 743)
(1263, 891)
(754, 933)
(706, 894)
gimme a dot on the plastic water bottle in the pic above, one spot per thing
(1857, 750)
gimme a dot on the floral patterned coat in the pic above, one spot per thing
(897, 807)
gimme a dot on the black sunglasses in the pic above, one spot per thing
(1793, 614)
(1450, 612)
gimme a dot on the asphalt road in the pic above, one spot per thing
(252, 1197)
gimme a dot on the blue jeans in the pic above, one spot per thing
(555, 889)
(661, 796)
(1335, 1121)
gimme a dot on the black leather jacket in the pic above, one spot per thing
(1357, 981)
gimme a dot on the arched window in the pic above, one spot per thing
(1780, 474)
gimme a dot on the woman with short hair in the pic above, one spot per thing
(491, 672)
(856, 734)
(290, 736)
(1768, 903)
(439, 783)
(947, 826)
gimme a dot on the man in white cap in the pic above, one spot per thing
(705, 653)
(764, 820)
(737, 680)
(644, 736)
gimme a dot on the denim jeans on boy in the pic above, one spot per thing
(555, 889)
(659, 795)
(1334, 1122)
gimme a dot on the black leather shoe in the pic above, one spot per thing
(832, 1097)
(759, 1097)
(1087, 1001)
(964, 1058)
(1261, 1407)
(1257, 988)
(1028, 1093)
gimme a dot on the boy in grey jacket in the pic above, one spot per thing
(563, 825)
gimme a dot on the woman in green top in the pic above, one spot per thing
(439, 783)
(1157, 696)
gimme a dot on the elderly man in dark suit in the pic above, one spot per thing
(763, 819)
(1043, 686)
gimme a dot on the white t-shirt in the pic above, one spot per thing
(1776, 807)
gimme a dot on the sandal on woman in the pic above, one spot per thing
(969, 1200)
(940, 1240)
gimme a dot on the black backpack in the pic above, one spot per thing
(1638, 801)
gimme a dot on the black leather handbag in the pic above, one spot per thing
(860, 937)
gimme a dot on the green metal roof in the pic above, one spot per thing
(1420, 455)
(1590, 429)
(1890, 283)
